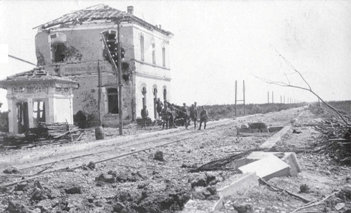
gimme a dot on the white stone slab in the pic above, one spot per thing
(267, 168)
(288, 157)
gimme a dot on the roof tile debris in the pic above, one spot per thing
(37, 74)
(97, 12)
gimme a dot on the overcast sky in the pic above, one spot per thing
(218, 42)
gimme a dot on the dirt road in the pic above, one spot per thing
(127, 177)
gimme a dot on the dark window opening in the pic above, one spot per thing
(112, 99)
(58, 52)
(111, 41)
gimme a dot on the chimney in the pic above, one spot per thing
(160, 26)
(130, 10)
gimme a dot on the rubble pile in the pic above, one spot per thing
(335, 140)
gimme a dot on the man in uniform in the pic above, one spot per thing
(193, 114)
(165, 116)
(185, 113)
(159, 106)
(203, 117)
(144, 115)
(172, 116)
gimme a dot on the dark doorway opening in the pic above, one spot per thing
(22, 117)
(112, 99)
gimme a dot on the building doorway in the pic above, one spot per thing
(112, 99)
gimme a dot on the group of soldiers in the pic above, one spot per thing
(170, 112)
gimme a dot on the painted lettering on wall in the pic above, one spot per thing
(83, 69)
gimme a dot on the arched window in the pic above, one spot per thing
(143, 91)
(142, 48)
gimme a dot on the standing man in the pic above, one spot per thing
(203, 117)
(193, 114)
(159, 106)
(165, 116)
(144, 115)
(185, 115)
(172, 116)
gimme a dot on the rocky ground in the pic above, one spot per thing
(152, 172)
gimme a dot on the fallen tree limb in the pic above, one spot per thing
(275, 188)
(220, 163)
(314, 203)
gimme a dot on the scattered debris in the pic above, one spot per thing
(243, 207)
(91, 165)
(159, 156)
(11, 170)
(275, 188)
(311, 204)
(304, 188)
(339, 206)
(335, 140)
(14, 206)
(345, 193)
(296, 131)
(106, 178)
(73, 190)
(22, 186)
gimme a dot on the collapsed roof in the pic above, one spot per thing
(37, 75)
(98, 12)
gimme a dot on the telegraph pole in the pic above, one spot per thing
(236, 96)
(120, 100)
(268, 97)
(244, 95)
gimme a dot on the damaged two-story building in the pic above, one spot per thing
(72, 47)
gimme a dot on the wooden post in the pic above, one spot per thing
(120, 99)
(244, 95)
(99, 92)
(236, 95)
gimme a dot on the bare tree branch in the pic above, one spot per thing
(283, 84)
(292, 67)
